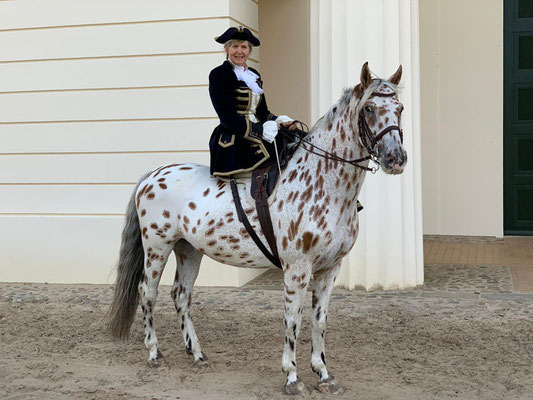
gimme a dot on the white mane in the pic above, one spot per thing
(347, 95)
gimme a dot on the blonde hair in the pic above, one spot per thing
(231, 42)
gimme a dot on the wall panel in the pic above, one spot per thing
(125, 72)
(102, 73)
(286, 38)
(85, 168)
(107, 136)
(111, 40)
(31, 14)
(92, 96)
(65, 199)
(245, 10)
(80, 249)
(137, 103)
(110, 72)
(462, 89)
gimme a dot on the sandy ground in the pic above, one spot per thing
(417, 344)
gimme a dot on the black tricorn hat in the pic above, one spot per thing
(239, 33)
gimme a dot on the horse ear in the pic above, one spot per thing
(358, 90)
(366, 76)
(395, 79)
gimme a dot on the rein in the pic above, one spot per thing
(365, 136)
(325, 154)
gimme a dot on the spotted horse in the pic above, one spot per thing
(314, 213)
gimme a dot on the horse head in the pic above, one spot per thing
(378, 116)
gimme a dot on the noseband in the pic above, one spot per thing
(368, 140)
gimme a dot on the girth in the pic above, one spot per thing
(263, 181)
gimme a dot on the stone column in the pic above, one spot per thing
(344, 35)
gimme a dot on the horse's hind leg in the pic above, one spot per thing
(154, 263)
(188, 264)
(322, 288)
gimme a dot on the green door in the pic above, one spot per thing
(518, 117)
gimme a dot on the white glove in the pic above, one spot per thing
(270, 130)
(283, 118)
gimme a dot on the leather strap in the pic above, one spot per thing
(244, 219)
(263, 212)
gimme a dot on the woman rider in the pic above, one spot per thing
(243, 140)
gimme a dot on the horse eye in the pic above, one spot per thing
(369, 109)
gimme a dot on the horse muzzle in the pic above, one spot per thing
(394, 161)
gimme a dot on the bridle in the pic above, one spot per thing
(370, 141)
(366, 138)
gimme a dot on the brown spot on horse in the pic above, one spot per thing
(293, 175)
(284, 243)
(308, 241)
(294, 226)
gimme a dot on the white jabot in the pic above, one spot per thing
(247, 77)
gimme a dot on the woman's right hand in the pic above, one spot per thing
(270, 130)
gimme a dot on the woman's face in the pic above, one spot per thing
(238, 53)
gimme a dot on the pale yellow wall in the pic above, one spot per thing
(461, 47)
(285, 66)
(92, 95)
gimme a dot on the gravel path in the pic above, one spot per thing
(464, 335)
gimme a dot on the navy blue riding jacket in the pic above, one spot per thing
(236, 144)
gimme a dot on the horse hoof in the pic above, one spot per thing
(156, 362)
(201, 362)
(294, 388)
(329, 385)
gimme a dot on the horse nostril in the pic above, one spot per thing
(404, 158)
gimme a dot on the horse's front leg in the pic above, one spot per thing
(296, 281)
(322, 288)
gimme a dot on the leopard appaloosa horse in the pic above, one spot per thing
(181, 207)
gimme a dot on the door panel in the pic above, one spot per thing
(518, 117)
